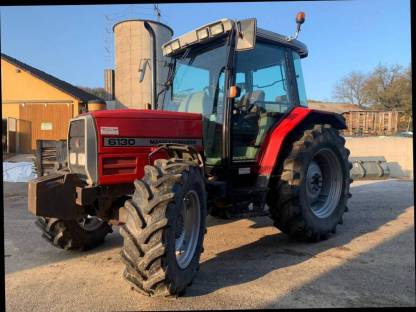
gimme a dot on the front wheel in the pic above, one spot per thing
(311, 196)
(83, 234)
(165, 227)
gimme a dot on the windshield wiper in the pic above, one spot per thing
(171, 75)
(168, 81)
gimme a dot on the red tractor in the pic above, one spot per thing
(230, 135)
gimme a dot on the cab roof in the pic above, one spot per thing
(296, 45)
(190, 38)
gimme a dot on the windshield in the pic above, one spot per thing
(197, 86)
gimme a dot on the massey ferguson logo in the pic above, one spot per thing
(120, 142)
(173, 141)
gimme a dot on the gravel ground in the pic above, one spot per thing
(247, 263)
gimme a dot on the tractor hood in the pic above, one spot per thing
(145, 128)
(144, 114)
(113, 146)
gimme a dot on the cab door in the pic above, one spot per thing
(264, 77)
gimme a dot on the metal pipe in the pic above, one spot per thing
(153, 60)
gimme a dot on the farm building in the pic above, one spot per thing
(363, 122)
(36, 105)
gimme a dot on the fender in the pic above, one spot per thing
(275, 139)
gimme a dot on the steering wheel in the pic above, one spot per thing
(250, 107)
(260, 109)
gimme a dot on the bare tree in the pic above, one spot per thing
(389, 87)
(350, 89)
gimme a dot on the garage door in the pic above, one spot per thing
(48, 121)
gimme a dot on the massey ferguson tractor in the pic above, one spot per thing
(230, 135)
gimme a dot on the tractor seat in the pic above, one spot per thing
(251, 98)
(282, 102)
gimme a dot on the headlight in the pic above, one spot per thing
(81, 159)
(202, 33)
(175, 45)
(167, 49)
(216, 29)
(72, 158)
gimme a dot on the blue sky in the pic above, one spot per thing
(70, 41)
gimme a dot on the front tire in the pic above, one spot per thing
(83, 234)
(311, 196)
(165, 227)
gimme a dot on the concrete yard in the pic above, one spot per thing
(247, 263)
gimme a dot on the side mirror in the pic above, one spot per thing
(142, 68)
(246, 36)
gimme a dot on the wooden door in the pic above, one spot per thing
(48, 121)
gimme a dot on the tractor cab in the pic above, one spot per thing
(242, 79)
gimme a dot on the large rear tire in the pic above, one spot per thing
(165, 227)
(83, 234)
(310, 198)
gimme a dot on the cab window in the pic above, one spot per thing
(299, 80)
(262, 75)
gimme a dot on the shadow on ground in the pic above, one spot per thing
(371, 206)
(24, 247)
(358, 282)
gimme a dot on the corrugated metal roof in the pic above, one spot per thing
(58, 83)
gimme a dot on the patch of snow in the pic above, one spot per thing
(18, 172)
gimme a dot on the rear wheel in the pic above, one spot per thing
(165, 227)
(311, 196)
(82, 234)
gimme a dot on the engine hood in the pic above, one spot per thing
(125, 138)
(144, 114)
(147, 127)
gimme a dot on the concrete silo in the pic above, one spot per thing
(133, 47)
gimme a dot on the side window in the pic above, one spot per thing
(299, 79)
(272, 82)
(219, 93)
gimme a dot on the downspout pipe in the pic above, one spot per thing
(153, 61)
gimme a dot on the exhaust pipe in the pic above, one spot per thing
(153, 60)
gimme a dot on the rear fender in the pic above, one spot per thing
(297, 118)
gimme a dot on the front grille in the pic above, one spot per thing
(76, 147)
(121, 165)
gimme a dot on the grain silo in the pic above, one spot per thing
(135, 50)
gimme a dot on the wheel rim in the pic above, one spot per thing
(324, 183)
(187, 229)
(89, 223)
